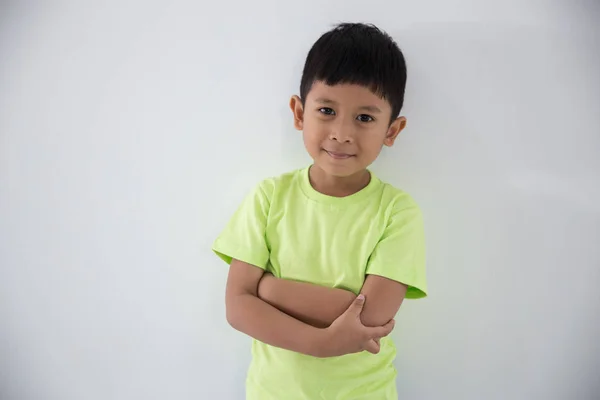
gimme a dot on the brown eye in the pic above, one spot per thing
(326, 111)
(365, 118)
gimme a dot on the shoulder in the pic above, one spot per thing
(396, 200)
(271, 186)
(269, 191)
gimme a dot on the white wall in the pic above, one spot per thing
(130, 132)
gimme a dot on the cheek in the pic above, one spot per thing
(311, 123)
(372, 144)
(315, 130)
(312, 142)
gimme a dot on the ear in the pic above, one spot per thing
(298, 111)
(395, 128)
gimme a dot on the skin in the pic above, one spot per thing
(344, 128)
(253, 316)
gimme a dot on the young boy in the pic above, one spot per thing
(321, 258)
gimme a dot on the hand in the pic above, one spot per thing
(348, 335)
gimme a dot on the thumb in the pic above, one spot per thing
(357, 305)
(372, 346)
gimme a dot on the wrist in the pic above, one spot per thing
(323, 343)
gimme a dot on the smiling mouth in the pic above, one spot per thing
(338, 156)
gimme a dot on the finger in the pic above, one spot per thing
(372, 346)
(357, 305)
(382, 331)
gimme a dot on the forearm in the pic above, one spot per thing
(316, 305)
(260, 320)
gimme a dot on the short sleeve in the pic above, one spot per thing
(243, 238)
(400, 253)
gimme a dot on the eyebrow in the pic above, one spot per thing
(373, 109)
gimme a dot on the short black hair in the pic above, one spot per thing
(360, 54)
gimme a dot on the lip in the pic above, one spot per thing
(339, 156)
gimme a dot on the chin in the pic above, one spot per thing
(339, 171)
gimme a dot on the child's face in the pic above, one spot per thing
(345, 126)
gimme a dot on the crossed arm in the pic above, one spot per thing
(297, 316)
(247, 313)
(319, 306)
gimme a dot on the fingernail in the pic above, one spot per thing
(361, 297)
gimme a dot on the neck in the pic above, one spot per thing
(338, 186)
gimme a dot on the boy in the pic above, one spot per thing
(321, 258)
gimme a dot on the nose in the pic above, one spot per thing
(342, 132)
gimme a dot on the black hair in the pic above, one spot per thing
(360, 54)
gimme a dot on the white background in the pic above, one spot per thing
(130, 132)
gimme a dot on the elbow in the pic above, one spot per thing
(232, 313)
(369, 320)
(373, 318)
(236, 310)
(231, 319)
(234, 320)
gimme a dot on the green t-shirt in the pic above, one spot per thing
(289, 229)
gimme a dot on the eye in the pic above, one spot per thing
(326, 111)
(365, 118)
